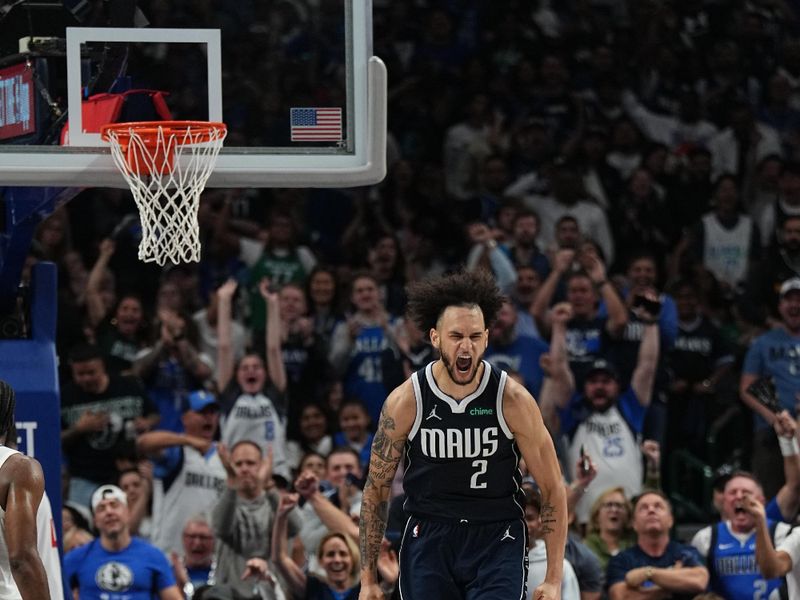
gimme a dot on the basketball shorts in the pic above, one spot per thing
(451, 560)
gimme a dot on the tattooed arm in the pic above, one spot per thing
(396, 420)
(525, 421)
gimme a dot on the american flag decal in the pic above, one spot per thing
(316, 124)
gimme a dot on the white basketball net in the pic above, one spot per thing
(168, 199)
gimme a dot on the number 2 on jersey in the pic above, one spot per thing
(481, 465)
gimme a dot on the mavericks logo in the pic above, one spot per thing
(114, 577)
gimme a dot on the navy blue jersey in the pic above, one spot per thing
(461, 458)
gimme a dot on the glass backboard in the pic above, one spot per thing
(295, 81)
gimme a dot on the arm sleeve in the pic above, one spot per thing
(341, 347)
(166, 464)
(223, 516)
(632, 410)
(773, 511)
(503, 269)
(250, 251)
(702, 541)
(307, 258)
(690, 557)
(163, 574)
(791, 545)
(668, 322)
(753, 361)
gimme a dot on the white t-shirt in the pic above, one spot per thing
(537, 569)
(47, 545)
(255, 418)
(609, 441)
(791, 545)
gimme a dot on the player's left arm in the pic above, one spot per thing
(525, 422)
(25, 489)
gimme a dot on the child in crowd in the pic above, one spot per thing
(355, 424)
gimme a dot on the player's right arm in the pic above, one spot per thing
(396, 420)
(25, 483)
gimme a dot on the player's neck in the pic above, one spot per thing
(450, 387)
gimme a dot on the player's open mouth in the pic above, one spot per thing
(463, 363)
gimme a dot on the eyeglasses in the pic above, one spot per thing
(199, 537)
(609, 505)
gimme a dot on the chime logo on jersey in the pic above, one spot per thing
(114, 577)
(458, 443)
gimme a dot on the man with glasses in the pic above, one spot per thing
(189, 475)
(195, 567)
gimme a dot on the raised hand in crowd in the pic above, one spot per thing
(258, 568)
(563, 260)
(585, 472)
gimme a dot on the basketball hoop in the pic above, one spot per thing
(166, 164)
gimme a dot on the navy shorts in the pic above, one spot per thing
(452, 561)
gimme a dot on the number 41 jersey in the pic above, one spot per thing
(462, 462)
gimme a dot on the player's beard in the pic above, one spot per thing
(457, 377)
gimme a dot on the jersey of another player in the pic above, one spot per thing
(732, 561)
(8, 588)
(462, 462)
(138, 572)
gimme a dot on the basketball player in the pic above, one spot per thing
(22, 576)
(462, 426)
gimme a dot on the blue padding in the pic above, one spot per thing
(30, 367)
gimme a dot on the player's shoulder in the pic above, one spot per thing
(21, 469)
(515, 395)
(403, 394)
(401, 405)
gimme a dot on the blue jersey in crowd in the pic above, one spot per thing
(364, 376)
(733, 568)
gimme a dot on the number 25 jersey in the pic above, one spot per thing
(462, 462)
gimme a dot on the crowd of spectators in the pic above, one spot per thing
(630, 174)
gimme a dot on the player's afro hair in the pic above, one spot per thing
(428, 299)
(7, 406)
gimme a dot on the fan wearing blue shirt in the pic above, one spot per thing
(655, 562)
(775, 354)
(117, 566)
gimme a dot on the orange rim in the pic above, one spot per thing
(202, 131)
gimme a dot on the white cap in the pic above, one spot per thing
(105, 492)
(790, 285)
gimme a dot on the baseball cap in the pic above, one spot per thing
(105, 492)
(722, 476)
(790, 285)
(601, 365)
(198, 400)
